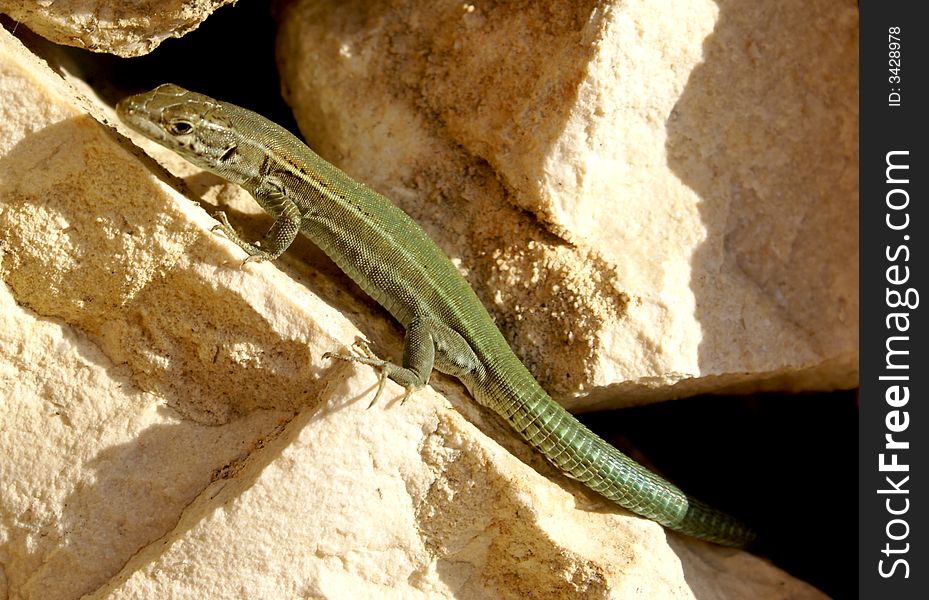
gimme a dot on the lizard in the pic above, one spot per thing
(393, 260)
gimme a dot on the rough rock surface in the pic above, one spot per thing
(121, 28)
(654, 198)
(168, 428)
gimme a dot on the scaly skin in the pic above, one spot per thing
(394, 261)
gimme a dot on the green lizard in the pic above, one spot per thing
(393, 260)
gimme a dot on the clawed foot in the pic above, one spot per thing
(254, 251)
(223, 225)
(366, 356)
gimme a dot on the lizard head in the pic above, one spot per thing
(195, 126)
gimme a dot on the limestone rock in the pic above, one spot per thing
(655, 199)
(168, 428)
(417, 503)
(121, 28)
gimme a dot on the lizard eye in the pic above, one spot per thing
(180, 127)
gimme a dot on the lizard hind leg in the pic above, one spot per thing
(366, 356)
(418, 359)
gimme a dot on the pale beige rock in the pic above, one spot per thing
(92, 468)
(121, 28)
(125, 327)
(701, 156)
(417, 503)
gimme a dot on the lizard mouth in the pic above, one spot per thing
(135, 112)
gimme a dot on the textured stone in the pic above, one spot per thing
(121, 28)
(654, 199)
(168, 428)
(417, 503)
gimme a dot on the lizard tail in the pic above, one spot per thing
(582, 455)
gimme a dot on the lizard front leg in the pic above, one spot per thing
(280, 235)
